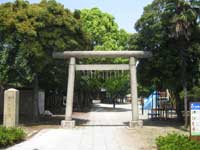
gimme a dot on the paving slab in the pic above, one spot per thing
(105, 129)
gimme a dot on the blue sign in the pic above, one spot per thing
(195, 118)
(195, 106)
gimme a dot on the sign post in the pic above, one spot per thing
(195, 121)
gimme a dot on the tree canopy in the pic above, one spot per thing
(169, 29)
(29, 33)
(105, 35)
(103, 30)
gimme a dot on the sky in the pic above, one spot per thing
(126, 12)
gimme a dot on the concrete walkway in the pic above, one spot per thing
(103, 128)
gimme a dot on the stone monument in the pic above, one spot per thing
(11, 108)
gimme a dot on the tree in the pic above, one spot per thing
(169, 29)
(29, 33)
(105, 35)
(180, 28)
(117, 87)
(103, 30)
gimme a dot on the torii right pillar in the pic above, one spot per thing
(135, 122)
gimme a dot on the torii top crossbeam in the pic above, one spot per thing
(106, 54)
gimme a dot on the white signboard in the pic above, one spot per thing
(195, 118)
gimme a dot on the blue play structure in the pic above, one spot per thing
(150, 102)
(158, 105)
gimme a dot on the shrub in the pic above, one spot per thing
(174, 141)
(10, 136)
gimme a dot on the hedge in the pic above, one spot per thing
(10, 136)
(175, 141)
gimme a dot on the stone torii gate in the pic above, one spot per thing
(72, 55)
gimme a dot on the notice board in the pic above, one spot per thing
(195, 120)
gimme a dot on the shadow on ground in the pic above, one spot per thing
(102, 125)
(162, 122)
(98, 108)
(54, 121)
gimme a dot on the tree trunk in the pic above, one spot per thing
(35, 98)
(1, 92)
(178, 106)
(81, 100)
(184, 77)
(1, 89)
(185, 105)
(113, 100)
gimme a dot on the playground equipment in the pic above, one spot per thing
(158, 104)
(150, 102)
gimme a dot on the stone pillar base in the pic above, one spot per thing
(133, 124)
(67, 124)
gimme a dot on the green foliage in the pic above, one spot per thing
(10, 136)
(4, 67)
(193, 94)
(169, 29)
(105, 35)
(29, 33)
(175, 141)
(144, 91)
(103, 30)
(98, 25)
(117, 86)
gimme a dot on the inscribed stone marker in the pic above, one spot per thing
(11, 108)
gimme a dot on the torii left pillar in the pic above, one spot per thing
(68, 122)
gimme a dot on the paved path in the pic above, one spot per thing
(101, 129)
